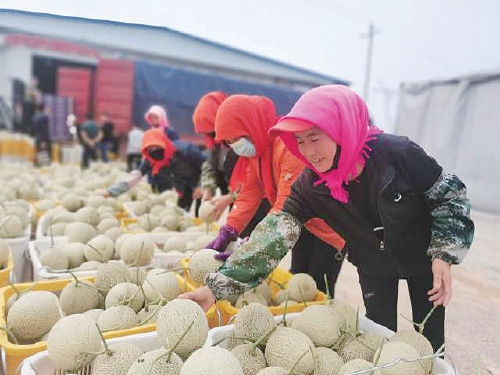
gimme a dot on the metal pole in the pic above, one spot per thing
(370, 36)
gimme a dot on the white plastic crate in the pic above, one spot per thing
(43, 223)
(43, 273)
(19, 248)
(218, 334)
(40, 363)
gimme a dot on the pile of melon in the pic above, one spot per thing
(320, 341)
(120, 297)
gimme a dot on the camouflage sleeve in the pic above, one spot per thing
(270, 241)
(452, 229)
(208, 177)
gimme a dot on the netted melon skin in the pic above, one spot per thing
(117, 317)
(161, 284)
(302, 287)
(33, 315)
(212, 361)
(327, 362)
(252, 360)
(419, 342)
(148, 364)
(110, 274)
(253, 322)
(285, 346)
(125, 294)
(79, 298)
(124, 355)
(203, 263)
(69, 338)
(320, 323)
(248, 297)
(397, 349)
(174, 319)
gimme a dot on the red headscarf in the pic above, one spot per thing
(251, 116)
(158, 138)
(204, 114)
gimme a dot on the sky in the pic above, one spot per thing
(416, 40)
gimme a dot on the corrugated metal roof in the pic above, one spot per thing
(262, 65)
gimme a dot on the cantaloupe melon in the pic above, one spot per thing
(398, 349)
(175, 243)
(362, 347)
(75, 252)
(156, 362)
(137, 251)
(107, 224)
(69, 340)
(206, 211)
(87, 215)
(11, 226)
(202, 263)
(419, 342)
(71, 202)
(302, 288)
(320, 323)
(284, 348)
(212, 361)
(110, 274)
(117, 361)
(202, 241)
(273, 371)
(358, 365)
(248, 297)
(326, 362)
(80, 232)
(117, 317)
(253, 322)
(55, 258)
(99, 248)
(148, 222)
(33, 315)
(174, 319)
(127, 294)
(160, 286)
(251, 359)
(79, 297)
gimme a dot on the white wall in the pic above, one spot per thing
(15, 63)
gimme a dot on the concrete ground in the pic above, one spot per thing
(473, 315)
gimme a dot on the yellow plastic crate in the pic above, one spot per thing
(15, 354)
(5, 273)
(278, 277)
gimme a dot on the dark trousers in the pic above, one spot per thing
(381, 299)
(316, 258)
(261, 213)
(186, 200)
(133, 161)
(88, 153)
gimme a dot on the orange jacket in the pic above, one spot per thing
(285, 167)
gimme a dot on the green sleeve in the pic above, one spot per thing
(452, 229)
(271, 240)
(208, 177)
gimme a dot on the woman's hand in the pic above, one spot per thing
(207, 195)
(220, 203)
(202, 296)
(441, 292)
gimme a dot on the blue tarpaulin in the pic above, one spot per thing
(179, 90)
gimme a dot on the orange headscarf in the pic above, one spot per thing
(204, 115)
(158, 138)
(251, 116)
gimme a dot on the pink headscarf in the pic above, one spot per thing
(343, 115)
(162, 116)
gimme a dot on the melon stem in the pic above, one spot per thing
(421, 325)
(298, 361)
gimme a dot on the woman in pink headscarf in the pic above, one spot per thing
(401, 216)
(156, 117)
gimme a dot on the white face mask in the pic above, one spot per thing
(243, 147)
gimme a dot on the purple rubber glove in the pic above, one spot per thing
(227, 234)
(223, 256)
